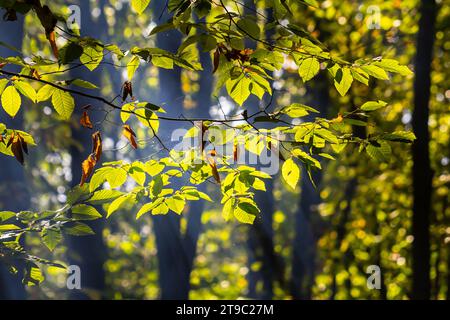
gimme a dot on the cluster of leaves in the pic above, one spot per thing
(241, 71)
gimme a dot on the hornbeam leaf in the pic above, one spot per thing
(11, 101)
(139, 5)
(308, 68)
(291, 173)
(26, 89)
(63, 103)
(51, 237)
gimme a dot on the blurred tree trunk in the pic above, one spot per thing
(422, 173)
(176, 251)
(304, 247)
(12, 174)
(260, 234)
(88, 252)
(195, 209)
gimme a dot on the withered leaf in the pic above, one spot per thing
(85, 121)
(23, 144)
(87, 167)
(11, 138)
(16, 149)
(127, 90)
(130, 135)
(212, 164)
(97, 145)
(35, 74)
(204, 129)
(52, 40)
(216, 60)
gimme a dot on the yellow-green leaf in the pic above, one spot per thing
(116, 177)
(117, 204)
(148, 119)
(373, 105)
(45, 92)
(51, 237)
(92, 56)
(85, 212)
(26, 89)
(11, 101)
(343, 81)
(308, 68)
(140, 5)
(3, 84)
(291, 173)
(132, 66)
(375, 71)
(63, 103)
(239, 89)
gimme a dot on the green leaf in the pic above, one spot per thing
(148, 207)
(297, 110)
(308, 68)
(343, 81)
(116, 177)
(153, 167)
(162, 28)
(258, 184)
(117, 204)
(246, 212)
(393, 66)
(399, 136)
(97, 179)
(306, 158)
(125, 113)
(78, 229)
(249, 27)
(381, 152)
(70, 52)
(45, 92)
(63, 103)
(132, 66)
(92, 56)
(239, 89)
(137, 172)
(6, 215)
(8, 227)
(148, 119)
(375, 72)
(373, 105)
(85, 212)
(326, 134)
(26, 89)
(51, 237)
(104, 196)
(83, 84)
(176, 204)
(360, 75)
(248, 207)
(139, 5)
(3, 84)
(162, 62)
(33, 275)
(77, 194)
(291, 173)
(228, 210)
(11, 101)
(160, 209)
